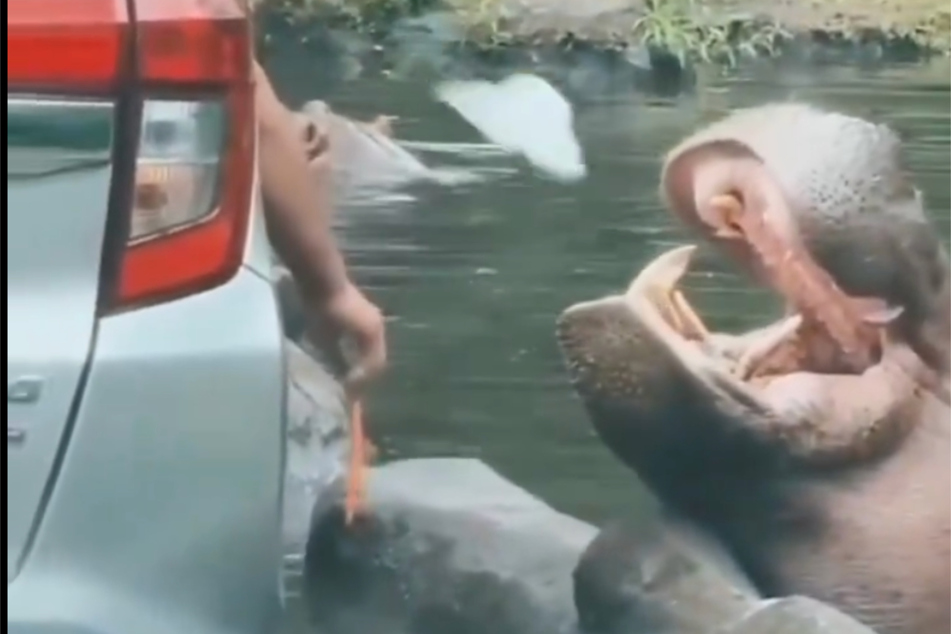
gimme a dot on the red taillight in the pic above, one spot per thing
(195, 167)
(190, 200)
(65, 44)
(193, 41)
(181, 70)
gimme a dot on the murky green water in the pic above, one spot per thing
(473, 277)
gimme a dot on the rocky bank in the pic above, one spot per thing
(450, 546)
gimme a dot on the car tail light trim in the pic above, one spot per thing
(193, 41)
(181, 70)
(64, 45)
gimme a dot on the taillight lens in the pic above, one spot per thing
(191, 200)
(178, 171)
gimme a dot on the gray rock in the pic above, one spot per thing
(448, 546)
(660, 578)
(796, 615)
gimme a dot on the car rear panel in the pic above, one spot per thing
(58, 181)
(165, 516)
(155, 473)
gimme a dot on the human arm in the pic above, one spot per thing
(299, 206)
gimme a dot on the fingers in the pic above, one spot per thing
(371, 362)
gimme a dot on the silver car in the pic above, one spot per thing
(146, 392)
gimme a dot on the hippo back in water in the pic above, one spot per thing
(364, 154)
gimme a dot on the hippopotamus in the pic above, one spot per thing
(363, 154)
(816, 450)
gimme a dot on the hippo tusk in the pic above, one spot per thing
(657, 282)
(663, 272)
(691, 321)
(656, 288)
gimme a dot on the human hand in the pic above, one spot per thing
(350, 314)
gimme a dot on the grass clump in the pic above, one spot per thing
(689, 30)
(483, 20)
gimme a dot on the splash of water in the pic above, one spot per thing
(522, 114)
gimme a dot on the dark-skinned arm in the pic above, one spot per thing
(298, 197)
(299, 209)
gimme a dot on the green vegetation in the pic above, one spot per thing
(687, 28)
(703, 30)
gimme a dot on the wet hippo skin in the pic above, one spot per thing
(829, 483)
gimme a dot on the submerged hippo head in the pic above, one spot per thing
(787, 442)
(362, 153)
(316, 118)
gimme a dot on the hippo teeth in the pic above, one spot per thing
(656, 285)
(654, 292)
(766, 345)
(663, 272)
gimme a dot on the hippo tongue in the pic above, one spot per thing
(856, 323)
(851, 322)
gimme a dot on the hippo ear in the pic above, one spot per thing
(309, 132)
(314, 139)
(304, 126)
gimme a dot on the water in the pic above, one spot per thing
(474, 275)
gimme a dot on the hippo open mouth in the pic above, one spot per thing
(657, 306)
(649, 371)
(645, 355)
